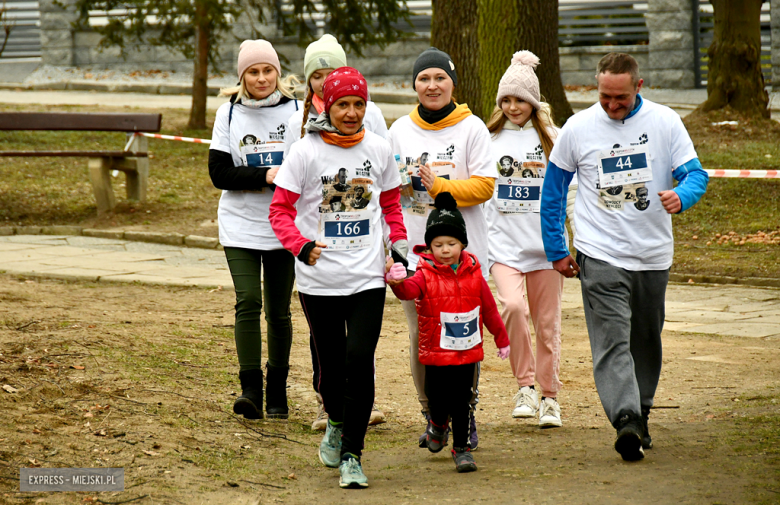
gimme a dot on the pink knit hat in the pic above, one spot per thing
(252, 52)
(520, 80)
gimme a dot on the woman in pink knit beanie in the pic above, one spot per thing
(522, 138)
(248, 145)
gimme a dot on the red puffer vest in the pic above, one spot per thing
(447, 291)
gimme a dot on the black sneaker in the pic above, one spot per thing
(647, 441)
(464, 461)
(436, 437)
(629, 437)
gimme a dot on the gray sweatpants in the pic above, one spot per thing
(624, 311)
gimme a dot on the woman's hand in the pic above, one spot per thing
(314, 255)
(271, 175)
(427, 176)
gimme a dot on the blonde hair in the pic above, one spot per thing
(541, 120)
(285, 85)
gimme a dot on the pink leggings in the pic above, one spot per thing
(543, 304)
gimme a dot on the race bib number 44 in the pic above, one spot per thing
(629, 165)
(515, 194)
(343, 231)
(460, 331)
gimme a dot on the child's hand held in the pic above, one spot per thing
(503, 352)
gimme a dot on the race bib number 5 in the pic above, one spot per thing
(343, 231)
(629, 165)
(460, 331)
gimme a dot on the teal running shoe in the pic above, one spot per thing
(352, 475)
(330, 447)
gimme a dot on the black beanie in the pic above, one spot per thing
(446, 220)
(433, 58)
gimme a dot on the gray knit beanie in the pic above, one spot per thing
(520, 80)
(433, 58)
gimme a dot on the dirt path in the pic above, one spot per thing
(159, 378)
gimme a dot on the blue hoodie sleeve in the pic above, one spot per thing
(692, 183)
(553, 211)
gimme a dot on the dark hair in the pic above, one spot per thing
(619, 63)
(507, 157)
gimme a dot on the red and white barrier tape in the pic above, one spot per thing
(739, 174)
(745, 174)
(173, 137)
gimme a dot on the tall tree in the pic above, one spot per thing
(503, 27)
(454, 31)
(195, 28)
(734, 76)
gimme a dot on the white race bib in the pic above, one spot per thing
(628, 165)
(442, 169)
(263, 155)
(515, 194)
(460, 331)
(342, 231)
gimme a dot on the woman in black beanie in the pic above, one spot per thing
(458, 161)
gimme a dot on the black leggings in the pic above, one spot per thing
(276, 289)
(346, 330)
(449, 391)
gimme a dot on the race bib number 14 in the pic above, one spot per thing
(629, 165)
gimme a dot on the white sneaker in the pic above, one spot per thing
(526, 402)
(550, 414)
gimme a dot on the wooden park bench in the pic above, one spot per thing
(133, 160)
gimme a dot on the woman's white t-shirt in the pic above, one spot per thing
(374, 121)
(465, 147)
(313, 169)
(625, 226)
(243, 215)
(515, 239)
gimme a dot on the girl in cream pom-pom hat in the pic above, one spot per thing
(522, 138)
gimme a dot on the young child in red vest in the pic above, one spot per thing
(453, 300)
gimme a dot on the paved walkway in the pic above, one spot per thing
(711, 309)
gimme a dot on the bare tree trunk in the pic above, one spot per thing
(537, 31)
(498, 21)
(734, 77)
(200, 73)
(454, 30)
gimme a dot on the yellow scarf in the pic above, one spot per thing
(460, 113)
(344, 141)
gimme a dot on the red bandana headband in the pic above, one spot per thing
(344, 81)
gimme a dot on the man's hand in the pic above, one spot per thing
(314, 255)
(567, 266)
(427, 176)
(271, 175)
(671, 201)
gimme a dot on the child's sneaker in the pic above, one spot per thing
(330, 447)
(436, 437)
(464, 461)
(526, 403)
(549, 414)
(351, 471)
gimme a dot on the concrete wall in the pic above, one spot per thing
(578, 64)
